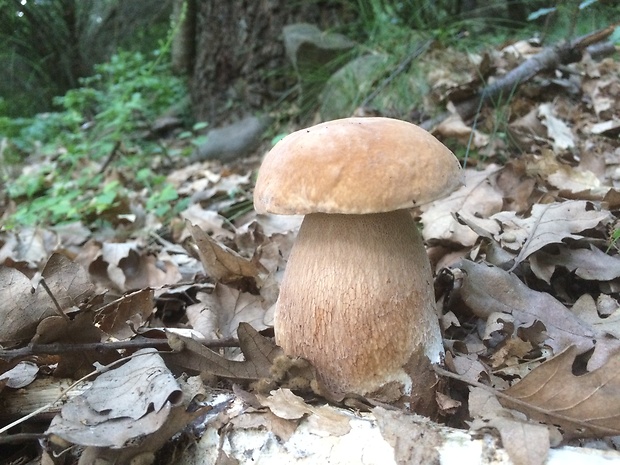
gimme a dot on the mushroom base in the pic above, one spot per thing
(357, 300)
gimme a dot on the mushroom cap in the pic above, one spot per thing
(355, 166)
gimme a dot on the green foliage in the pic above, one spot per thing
(46, 46)
(89, 159)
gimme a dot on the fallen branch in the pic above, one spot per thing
(134, 344)
(550, 58)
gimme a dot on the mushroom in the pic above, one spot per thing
(357, 297)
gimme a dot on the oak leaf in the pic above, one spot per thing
(583, 406)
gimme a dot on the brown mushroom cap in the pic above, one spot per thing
(355, 166)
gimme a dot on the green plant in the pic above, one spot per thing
(86, 161)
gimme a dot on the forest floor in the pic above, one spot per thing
(527, 283)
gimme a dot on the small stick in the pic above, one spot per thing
(57, 348)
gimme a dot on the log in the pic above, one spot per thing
(382, 437)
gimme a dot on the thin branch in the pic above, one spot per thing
(139, 343)
(548, 59)
(56, 304)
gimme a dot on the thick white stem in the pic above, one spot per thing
(357, 300)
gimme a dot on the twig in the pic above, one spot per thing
(57, 348)
(56, 304)
(548, 59)
(110, 157)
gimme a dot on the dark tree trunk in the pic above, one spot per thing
(183, 45)
(240, 63)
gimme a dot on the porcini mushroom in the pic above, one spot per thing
(357, 296)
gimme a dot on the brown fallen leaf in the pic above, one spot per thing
(260, 354)
(526, 443)
(122, 404)
(548, 224)
(590, 264)
(219, 313)
(22, 306)
(583, 406)
(477, 198)
(135, 308)
(220, 262)
(586, 308)
(285, 404)
(488, 289)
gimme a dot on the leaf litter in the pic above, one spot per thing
(530, 313)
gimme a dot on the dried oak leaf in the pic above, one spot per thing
(478, 198)
(219, 313)
(260, 354)
(135, 308)
(80, 329)
(589, 264)
(487, 290)
(583, 406)
(22, 307)
(548, 224)
(586, 308)
(122, 405)
(526, 443)
(220, 262)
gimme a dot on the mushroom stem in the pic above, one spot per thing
(357, 300)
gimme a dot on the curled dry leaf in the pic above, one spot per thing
(583, 406)
(260, 354)
(220, 262)
(121, 405)
(20, 375)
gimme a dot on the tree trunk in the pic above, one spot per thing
(240, 63)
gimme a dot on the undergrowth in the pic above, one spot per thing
(89, 160)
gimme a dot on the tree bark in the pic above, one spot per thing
(240, 64)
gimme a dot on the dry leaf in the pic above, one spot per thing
(219, 261)
(414, 438)
(259, 352)
(589, 264)
(586, 309)
(326, 420)
(557, 129)
(20, 375)
(526, 443)
(487, 290)
(477, 198)
(21, 309)
(584, 406)
(121, 405)
(220, 312)
(134, 308)
(548, 224)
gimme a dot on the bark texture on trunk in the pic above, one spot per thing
(240, 62)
